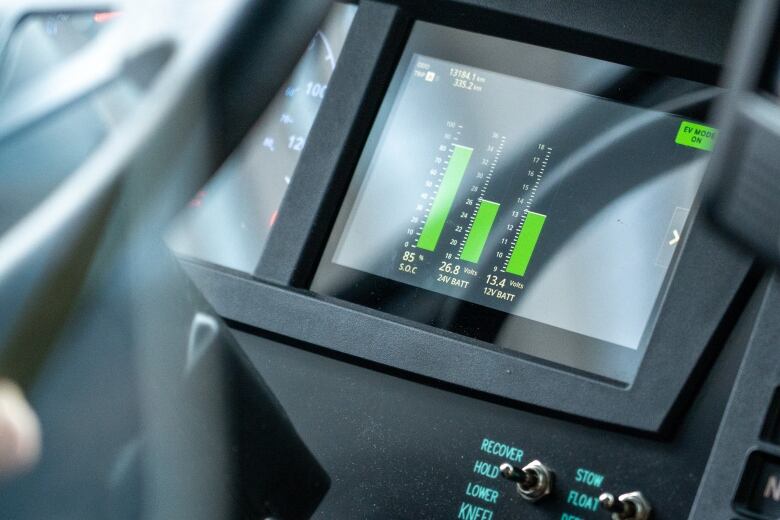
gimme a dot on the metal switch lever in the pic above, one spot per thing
(628, 506)
(534, 481)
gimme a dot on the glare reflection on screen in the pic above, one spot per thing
(227, 222)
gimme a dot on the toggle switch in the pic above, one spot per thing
(534, 481)
(628, 506)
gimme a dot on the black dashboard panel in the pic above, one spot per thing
(742, 473)
(707, 275)
(692, 44)
(412, 418)
(401, 448)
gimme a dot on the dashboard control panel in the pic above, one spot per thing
(490, 270)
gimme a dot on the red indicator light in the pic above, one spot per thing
(197, 200)
(105, 16)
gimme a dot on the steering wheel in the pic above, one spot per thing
(203, 72)
(200, 74)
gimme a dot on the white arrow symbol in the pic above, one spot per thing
(676, 237)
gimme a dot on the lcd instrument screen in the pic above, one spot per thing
(523, 196)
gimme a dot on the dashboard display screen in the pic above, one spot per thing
(229, 220)
(523, 196)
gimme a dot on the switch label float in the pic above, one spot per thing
(582, 501)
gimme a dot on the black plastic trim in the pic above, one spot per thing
(355, 92)
(709, 269)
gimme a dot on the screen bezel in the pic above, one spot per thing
(544, 343)
(709, 275)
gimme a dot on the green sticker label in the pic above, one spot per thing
(696, 136)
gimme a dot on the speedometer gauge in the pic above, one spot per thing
(228, 221)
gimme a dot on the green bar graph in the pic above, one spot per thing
(442, 204)
(526, 243)
(480, 229)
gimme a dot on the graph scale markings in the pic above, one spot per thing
(520, 265)
(482, 191)
(445, 197)
(480, 229)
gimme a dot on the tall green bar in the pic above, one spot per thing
(442, 204)
(526, 243)
(480, 229)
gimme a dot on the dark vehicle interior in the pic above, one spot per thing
(446, 259)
